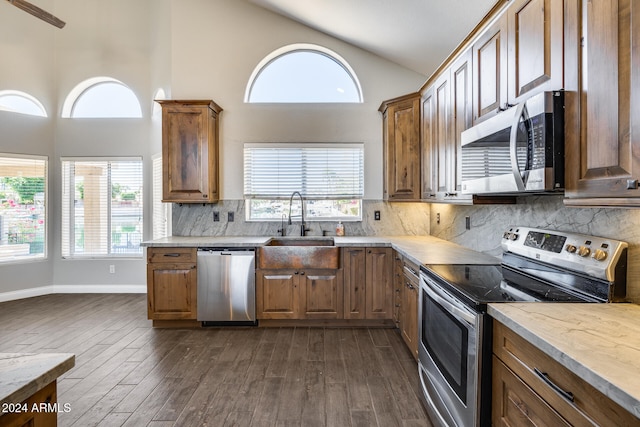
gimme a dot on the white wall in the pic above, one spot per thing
(192, 49)
(27, 66)
(216, 45)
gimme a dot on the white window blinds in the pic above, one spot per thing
(101, 207)
(161, 211)
(318, 171)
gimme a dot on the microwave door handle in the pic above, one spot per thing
(513, 145)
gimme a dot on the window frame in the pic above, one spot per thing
(282, 197)
(45, 254)
(302, 47)
(81, 89)
(68, 213)
(30, 98)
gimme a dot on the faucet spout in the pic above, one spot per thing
(302, 225)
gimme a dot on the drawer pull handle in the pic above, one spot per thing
(545, 377)
(172, 255)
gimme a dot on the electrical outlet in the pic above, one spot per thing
(230, 216)
(438, 218)
(216, 216)
(376, 215)
(112, 269)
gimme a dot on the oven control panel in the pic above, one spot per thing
(596, 256)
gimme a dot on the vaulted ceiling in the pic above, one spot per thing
(417, 34)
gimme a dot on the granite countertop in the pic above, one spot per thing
(419, 249)
(598, 342)
(23, 374)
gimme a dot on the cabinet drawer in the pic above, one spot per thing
(171, 255)
(551, 381)
(515, 404)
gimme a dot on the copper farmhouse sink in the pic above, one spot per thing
(302, 252)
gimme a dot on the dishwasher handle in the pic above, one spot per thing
(226, 250)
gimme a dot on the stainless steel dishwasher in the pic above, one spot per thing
(226, 286)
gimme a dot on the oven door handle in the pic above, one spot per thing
(445, 301)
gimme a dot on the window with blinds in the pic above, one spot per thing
(330, 177)
(23, 207)
(161, 215)
(101, 207)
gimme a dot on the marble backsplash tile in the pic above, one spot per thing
(395, 219)
(489, 221)
(487, 224)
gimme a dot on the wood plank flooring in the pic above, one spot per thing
(129, 374)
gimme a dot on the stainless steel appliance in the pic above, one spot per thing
(455, 332)
(226, 286)
(519, 150)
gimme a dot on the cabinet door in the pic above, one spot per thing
(535, 49)
(189, 151)
(462, 103)
(409, 316)
(277, 295)
(379, 278)
(402, 150)
(354, 276)
(515, 404)
(601, 146)
(428, 149)
(443, 159)
(490, 71)
(171, 291)
(321, 294)
(398, 283)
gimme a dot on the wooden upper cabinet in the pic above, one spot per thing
(442, 155)
(518, 56)
(602, 103)
(535, 48)
(490, 71)
(427, 124)
(190, 151)
(401, 139)
(446, 113)
(461, 107)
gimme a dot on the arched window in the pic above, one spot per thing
(303, 73)
(101, 97)
(21, 102)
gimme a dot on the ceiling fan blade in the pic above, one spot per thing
(37, 12)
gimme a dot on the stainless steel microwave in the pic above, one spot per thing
(519, 150)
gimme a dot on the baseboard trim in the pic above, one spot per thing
(72, 289)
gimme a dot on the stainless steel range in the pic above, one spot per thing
(455, 331)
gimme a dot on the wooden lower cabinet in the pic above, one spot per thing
(515, 404)
(299, 294)
(368, 283)
(45, 400)
(409, 311)
(171, 283)
(531, 388)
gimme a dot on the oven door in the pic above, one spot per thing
(449, 363)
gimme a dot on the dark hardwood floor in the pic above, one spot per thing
(129, 374)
